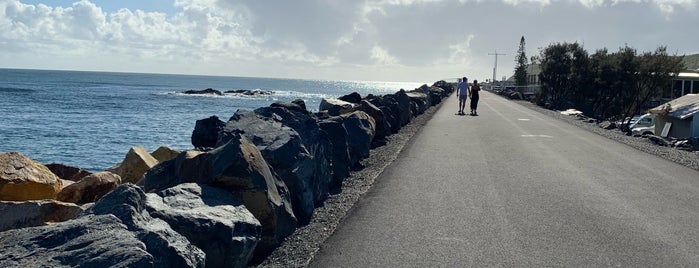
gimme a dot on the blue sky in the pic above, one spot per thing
(383, 40)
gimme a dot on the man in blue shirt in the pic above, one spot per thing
(463, 94)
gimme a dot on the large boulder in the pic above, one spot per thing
(435, 94)
(22, 178)
(67, 172)
(116, 231)
(16, 214)
(293, 144)
(168, 248)
(90, 189)
(238, 167)
(164, 153)
(340, 150)
(135, 164)
(389, 107)
(211, 219)
(361, 129)
(383, 127)
(206, 131)
(421, 100)
(335, 107)
(353, 97)
(404, 107)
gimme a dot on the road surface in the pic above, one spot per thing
(514, 188)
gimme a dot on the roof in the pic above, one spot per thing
(682, 107)
(688, 74)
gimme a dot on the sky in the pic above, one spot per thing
(361, 40)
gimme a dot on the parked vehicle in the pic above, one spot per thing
(645, 120)
(645, 125)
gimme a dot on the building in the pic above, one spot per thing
(680, 116)
(686, 82)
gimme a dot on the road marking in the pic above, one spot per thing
(536, 136)
(524, 119)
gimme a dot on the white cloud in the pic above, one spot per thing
(333, 39)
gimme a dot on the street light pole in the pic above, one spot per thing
(495, 69)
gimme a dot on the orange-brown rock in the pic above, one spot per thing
(22, 178)
(135, 164)
(90, 189)
(164, 153)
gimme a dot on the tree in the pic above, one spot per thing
(563, 70)
(521, 65)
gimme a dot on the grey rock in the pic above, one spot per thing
(211, 219)
(361, 129)
(353, 97)
(340, 150)
(167, 247)
(21, 214)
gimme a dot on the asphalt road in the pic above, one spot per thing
(513, 188)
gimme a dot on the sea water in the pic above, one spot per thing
(91, 119)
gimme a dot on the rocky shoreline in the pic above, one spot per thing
(252, 184)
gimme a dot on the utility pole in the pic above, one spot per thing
(495, 69)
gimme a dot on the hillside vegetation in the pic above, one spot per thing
(691, 62)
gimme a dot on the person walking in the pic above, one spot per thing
(463, 93)
(474, 97)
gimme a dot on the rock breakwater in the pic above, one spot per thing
(266, 170)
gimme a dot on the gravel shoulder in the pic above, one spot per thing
(299, 248)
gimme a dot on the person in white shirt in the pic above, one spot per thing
(463, 93)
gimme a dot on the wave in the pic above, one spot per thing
(272, 94)
(15, 89)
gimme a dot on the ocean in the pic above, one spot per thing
(91, 119)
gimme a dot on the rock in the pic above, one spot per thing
(210, 218)
(658, 140)
(389, 107)
(238, 167)
(23, 179)
(447, 87)
(167, 247)
(340, 151)
(164, 153)
(206, 131)
(421, 100)
(361, 129)
(404, 111)
(135, 164)
(23, 214)
(291, 106)
(383, 128)
(293, 144)
(248, 92)
(335, 107)
(300, 103)
(608, 125)
(353, 97)
(67, 172)
(90, 189)
(208, 91)
(435, 93)
(86, 242)
(116, 231)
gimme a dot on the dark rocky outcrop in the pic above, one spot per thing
(67, 172)
(116, 231)
(208, 91)
(383, 127)
(361, 128)
(340, 150)
(336, 107)
(294, 145)
(353, 97)
(301, 103)
(22, 178)
(90, 189)
(250, 92)
(238, 167)
(23, 214)
(212, 219)
(206, 131)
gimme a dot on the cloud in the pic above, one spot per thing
(333, 39)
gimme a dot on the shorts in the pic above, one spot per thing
(463, 97)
